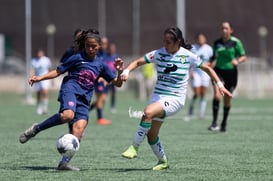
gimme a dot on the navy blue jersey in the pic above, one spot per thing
(102, 54)
(82, 74)
(110, 61)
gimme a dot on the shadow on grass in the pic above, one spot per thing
(44, 168)
(123, 169)
(41, 168)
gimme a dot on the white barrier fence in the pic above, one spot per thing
(255, 81)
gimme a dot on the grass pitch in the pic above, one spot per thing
(244, 153)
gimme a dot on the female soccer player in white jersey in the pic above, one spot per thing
(40, 66)
(172, 64)
(200, 79)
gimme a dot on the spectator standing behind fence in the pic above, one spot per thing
(40, 66)
(228, 53)
(199, 79)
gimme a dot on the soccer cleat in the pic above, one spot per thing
(201, 117)
(113, 110)
(223, 130)
(188, 118)
(130, 153)
(66, 167)
(103, 121)
(161, 165)
(29, 133)
(213, 128)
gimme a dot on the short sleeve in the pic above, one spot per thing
(67, 64)
(107, 74)
(240, 48)
(150, 57)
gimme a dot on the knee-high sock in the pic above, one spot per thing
(50, 122)
(202, 108)
(45, 105)
(215, 109)
(113, 98)
(158, 149)
(99, 113)
(192, 105)
(226, 113)
(66, 159)
(141, 133)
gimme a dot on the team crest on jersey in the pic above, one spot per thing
(151, 56)
(182, 58)
(71, 103)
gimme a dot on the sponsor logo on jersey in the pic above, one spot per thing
(170, 68)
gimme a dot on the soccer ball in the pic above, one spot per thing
(68, 145)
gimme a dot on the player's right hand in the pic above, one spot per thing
(33, 79)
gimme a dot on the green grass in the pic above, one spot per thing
(244, 153)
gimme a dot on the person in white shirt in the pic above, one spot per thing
(40, 66)
(199, 79)
(172, 62)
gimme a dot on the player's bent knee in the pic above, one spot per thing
(67, 116)
(147, 115)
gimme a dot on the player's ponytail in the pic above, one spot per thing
(178, 36)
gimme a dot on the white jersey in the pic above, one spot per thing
(201, 78)
(41, 65)
(172, 70)
(205, 52)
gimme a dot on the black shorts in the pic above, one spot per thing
(229, 77)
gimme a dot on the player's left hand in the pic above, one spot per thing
(225, 92)
(119, 64)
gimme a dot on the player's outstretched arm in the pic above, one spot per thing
(132, 66)
(214, 76)
(50, 75)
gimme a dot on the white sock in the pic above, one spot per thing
(141, 133)
(45, 105)
(66, 159)
(39, 109)
(202, 109)
(158, 150)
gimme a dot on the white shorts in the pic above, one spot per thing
(171, 105)
(42, 85)
(200, 78)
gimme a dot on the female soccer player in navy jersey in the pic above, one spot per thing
(76, 91)
(172, 64)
